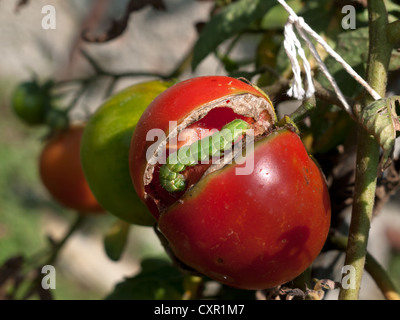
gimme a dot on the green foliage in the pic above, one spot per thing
(394, 267)
(20, 199)
(232, 20)
(277, 16)
(157, 280)
(380, 118)
(319, 14)
(115, 239)
(352, 46)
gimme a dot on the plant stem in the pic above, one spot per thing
(183, 65)
(307, 107)
(367, 150)
(54, 252)
(381, 278)
(372, 266)
(59, 245)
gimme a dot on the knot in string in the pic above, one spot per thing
(293, 48)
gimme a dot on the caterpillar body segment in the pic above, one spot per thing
(189, 155)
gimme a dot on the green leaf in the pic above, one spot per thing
(381, 120)
(115, 239)
(394, 61)
(352, 46)
(318, 14)
(276, 17)
(232, 20)
(158, 280)
(282, 61)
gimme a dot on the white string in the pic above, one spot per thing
(303, 29)
(293, 47)
(325, 71)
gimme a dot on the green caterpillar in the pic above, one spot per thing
(189, 155)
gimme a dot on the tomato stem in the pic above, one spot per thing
(303, 111)
(367, 150)
(372, 266)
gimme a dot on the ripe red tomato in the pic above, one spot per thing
(253, 230)
(61, 171)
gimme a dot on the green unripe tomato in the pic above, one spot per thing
(30, 103)
(105, 151)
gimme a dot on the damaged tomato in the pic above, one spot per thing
(236, 197)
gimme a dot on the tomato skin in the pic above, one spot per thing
(175, 104)
(254, 231)
(61, 171)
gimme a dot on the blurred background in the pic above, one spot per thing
(156, 40)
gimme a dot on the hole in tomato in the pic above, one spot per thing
(200, 123)
(218, 117)
(212, 122)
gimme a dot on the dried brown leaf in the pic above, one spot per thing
(320, 288)
(117, 27)
(20, 4)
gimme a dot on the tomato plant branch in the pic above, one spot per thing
(85, 82)
(382, 279)
(374, 268)
(52, 256)
(304, 110)
(330, 96)
(322, 93)
(184, 64)
(367, 150)
(76, 98)
(60, 244)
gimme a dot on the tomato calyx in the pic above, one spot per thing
(256, 112)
